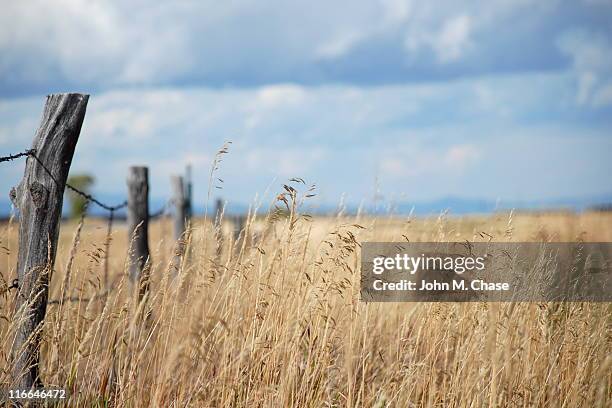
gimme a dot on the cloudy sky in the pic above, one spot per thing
(500, 100)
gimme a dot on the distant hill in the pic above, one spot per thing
(455, 205)
(463, 206)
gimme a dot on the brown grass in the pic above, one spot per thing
(277, 322)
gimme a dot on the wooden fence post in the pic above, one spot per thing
(39, 198)
(180, 216)
(238, 224)
(218, 210)
(138, 227)
(178, 199)
(188, 194)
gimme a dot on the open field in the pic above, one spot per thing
(277, 321)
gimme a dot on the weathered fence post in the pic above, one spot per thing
(218, 210)
(180, 216)
(238, 222)
(188, 194)
(178, 194)
(39, 198)
(138, 227)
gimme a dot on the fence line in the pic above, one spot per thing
(161, 211)
(39, 199)
(89, 198)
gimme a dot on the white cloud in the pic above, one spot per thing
(70, 32)
(338, 46)
(106, 43)
(110, 44)
(338, 137)
(453, 39)
(397, 10)
(382, 18)
(200, 162)
(450, 29)
(587, 80)
(394, 166)
(419, 160)
(285, 162)
(279, 95)
(449, 41)
(122, 123)
(461, 156)
(591, 54)
(603, 96)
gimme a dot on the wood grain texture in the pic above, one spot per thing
(138, 226)
(39, 199)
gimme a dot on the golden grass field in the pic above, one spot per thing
(277, 322)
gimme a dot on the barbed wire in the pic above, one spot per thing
(87, 196)
(83, 194)
(93, 200)
(16, 156)
(90, 199)
(161, 211)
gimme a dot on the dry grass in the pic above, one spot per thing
(277, 322)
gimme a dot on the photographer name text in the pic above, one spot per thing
(431, 264)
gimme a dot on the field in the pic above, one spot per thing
(277, 321)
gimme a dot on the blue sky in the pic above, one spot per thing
(500, 100)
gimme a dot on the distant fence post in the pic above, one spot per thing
(238, 222)
(178, 199)
(188, 194)
(218, 210)
(39, 198)
(180, 216)
(138, 227)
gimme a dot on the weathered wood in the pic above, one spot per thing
(179, 201)
(39, 198)
(138, 227)
(218, 211)
(188, 194)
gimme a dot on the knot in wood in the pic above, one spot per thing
(39, 194)
(13, 196)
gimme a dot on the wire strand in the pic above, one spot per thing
(88, 197)
(11, 157)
